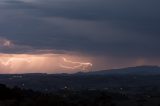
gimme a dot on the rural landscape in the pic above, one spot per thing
(79, 53)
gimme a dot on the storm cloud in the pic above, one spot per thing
(122, 29)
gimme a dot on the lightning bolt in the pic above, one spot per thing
(11, 60)
(77, 65)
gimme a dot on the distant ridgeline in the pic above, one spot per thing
(126, 80)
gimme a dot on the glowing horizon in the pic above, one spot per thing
(43, 63)
(30, 60)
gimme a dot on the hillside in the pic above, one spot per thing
(139, 70)
(130, 79)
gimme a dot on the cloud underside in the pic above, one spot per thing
(108, 29)
(118, 28)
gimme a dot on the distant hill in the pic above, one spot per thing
(139, 70)
(132, 78)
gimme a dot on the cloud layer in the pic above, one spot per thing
(104, 28)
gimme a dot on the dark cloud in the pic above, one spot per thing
(103, 27)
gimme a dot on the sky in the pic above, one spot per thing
(67, 36)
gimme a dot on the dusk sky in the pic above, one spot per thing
(55, 36)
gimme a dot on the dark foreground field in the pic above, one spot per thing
(137, 86)
(21, 97)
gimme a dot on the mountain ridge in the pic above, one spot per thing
(149, 69)
(146, 69)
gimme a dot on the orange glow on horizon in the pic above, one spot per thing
(41, 63)
(63, 63)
